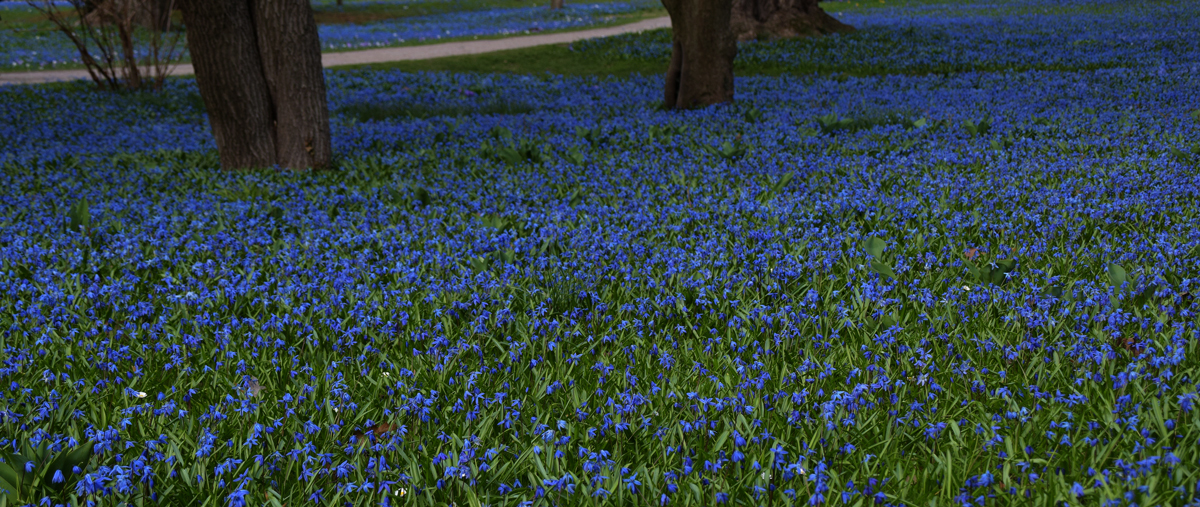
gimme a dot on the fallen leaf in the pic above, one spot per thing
(382, 428)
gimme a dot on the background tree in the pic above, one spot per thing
(112, 49)
(705, 35)
(258, 66)
(152, 14)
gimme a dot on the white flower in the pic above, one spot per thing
(141, 394)
(967, 288)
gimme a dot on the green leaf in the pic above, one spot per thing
(1003, 267)
(65, 461)
(574, 156)
(972, 268)
(8, 490)
(783, 181)
(79, 216)
(472, 500)
(874, 247)
(1116, 275)
(501, 133)
(1182, 156)
(888, 321)
(883, 269)
(422, 195)
(13, 468)
(9, 478)
(721, 438)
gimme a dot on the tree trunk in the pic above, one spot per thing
(701, 70)
(291, 57)
(761, 19)
(258, 67)
(556, 4)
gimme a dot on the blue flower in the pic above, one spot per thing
(632, 483)
(1077, 490)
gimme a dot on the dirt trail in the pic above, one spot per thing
(397, 54)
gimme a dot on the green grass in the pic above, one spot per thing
(556, 58)
(559, 59)
(352, 13)
(389, 110)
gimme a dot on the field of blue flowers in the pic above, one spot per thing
(953, 287)
(38, 49)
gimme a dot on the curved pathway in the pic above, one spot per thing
(396, 54)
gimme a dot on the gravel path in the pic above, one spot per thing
(390, 54)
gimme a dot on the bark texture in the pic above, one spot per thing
(701, 69)
(764, 19)
(291, 58)
(229, 72)
(556, 4)
(258, 67)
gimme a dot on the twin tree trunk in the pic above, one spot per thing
(702, 52)
(705, 41)
(258, 66)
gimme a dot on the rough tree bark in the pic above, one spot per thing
(701, 70)
(754, 19)
(291, 54)
(556, 4)
(258, 67)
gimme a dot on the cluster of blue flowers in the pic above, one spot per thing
(29, 49)
(976, 286)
